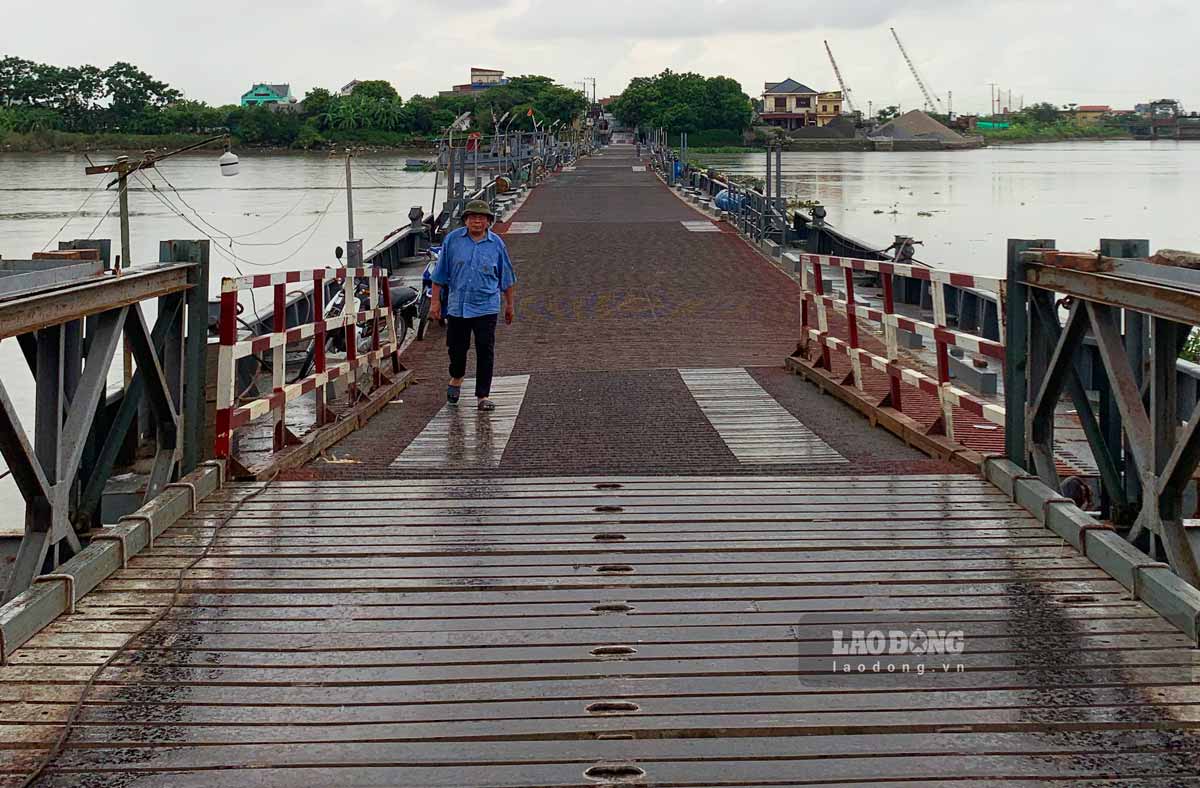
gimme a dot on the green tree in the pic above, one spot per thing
(887, 113)
(131, 90)
(376, 90)
(316, 106)
(684, 102)
(345, 114)
(1043, 112)
(17, 81)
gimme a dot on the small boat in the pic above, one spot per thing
(416, 164)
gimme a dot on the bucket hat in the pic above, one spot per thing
(480, 207)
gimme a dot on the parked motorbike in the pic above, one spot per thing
(426, 298)
(404, 303)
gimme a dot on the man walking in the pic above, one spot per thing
(474, 266)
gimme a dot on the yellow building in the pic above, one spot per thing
(1091, 113)
(829, 106)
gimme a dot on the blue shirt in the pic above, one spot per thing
(476, 272)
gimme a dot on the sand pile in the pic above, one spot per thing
(916, 125)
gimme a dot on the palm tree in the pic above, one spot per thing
(344, 115)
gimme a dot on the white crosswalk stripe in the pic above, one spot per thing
(756, 428)
(462, 436)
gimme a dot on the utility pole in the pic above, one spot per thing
(123, 170)
(123, 167)
(992, 103)
(349, 202)
(124, 260)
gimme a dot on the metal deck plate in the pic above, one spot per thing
(396, 633)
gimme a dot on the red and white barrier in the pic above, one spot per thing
(815, 299)
(231, 414)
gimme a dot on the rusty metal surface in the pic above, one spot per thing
(1174, 302)
(571, 631)
(22, 315)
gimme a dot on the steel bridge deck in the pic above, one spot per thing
(619, 591)
(521, 632)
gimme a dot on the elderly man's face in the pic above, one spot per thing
(477, 223)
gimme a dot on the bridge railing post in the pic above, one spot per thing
(1014, 309)
(891, 340)
(942, 351)
(852, 327)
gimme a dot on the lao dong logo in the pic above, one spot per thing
(923, 643)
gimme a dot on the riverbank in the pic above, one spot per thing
(1023, 133)
(72, 142)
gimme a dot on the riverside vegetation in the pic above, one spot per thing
(47, 107)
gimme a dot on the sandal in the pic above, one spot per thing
(452, 393)
(486, 404)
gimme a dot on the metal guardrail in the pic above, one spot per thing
(69, 336)
(1144, 435)
(232, 414)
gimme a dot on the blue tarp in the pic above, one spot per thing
(729, 202)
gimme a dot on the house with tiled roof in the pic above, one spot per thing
(1091, 113)
(789, 104)
(268, 93)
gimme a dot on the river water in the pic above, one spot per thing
(284, 212)
(1073, 192)
(289, 211)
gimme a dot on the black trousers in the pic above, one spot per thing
(458, 342)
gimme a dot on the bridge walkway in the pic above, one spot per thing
(639, 570)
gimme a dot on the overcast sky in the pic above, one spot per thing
(1116, 52)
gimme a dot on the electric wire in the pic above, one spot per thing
(111, 205)
(73, 717)
(218, 230)
(232, 238)
(228, 253)
(79, 210)
(232, 256)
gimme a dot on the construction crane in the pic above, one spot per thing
(846, 99)
(932, 102)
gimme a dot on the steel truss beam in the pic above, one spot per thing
(69, 338)
(58, 443)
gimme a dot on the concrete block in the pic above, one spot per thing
(793, 261)
(1001, 473)
(1172, 598)
(908, 339)
(1121, 560)
(771, 248)
(981, 380)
